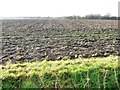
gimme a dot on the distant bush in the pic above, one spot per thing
(73, 17)
(93, 16)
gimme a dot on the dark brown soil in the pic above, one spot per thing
(53, 39)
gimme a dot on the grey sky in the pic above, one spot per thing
(54, 8)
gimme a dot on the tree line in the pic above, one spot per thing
(93, 16)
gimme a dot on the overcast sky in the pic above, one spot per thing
(56, 8)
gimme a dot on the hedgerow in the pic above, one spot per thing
(66, 73)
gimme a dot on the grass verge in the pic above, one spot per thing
(66, 73)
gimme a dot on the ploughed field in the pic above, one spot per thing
(53, 39)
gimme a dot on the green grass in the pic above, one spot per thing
(66, 73)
